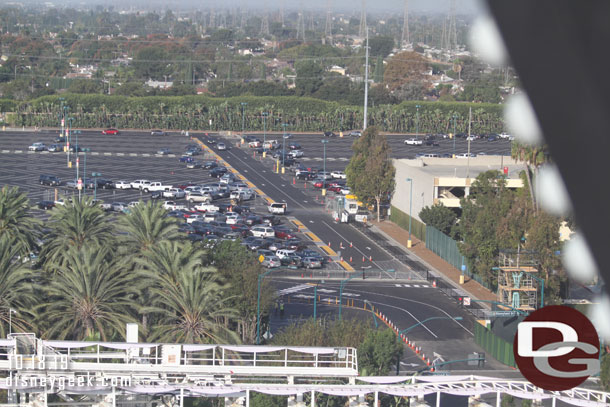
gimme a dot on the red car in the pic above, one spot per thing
(334, 188)
(110, 131)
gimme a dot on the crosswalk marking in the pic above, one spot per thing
(412, 285)
(294, 289)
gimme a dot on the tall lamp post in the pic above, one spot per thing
(85, 151)
(417, 120)
(410, 180)
(284, 146)
(454, 118)
(243, 117)
(95, 176)
(324, 142)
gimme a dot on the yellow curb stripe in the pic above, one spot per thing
(312, 237)
(328, 250)
(298, 223)
(345, 265)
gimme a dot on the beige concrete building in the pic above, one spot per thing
(446, 180)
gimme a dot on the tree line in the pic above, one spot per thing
(222, 114)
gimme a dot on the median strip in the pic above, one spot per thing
(329, 251)
(345, 265)
(313, 237)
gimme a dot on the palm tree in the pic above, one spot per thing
(146, 226)
(191, 307)
(15, 221)
(76, 225)
(92, 292)
(533, 157)
(16, 291)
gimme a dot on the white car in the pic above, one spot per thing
(173, 206)
(175, 193)
(471, 138)
(194, 217)
(414, 142)
(355, 133)
(271, 262)
(284, 253)
(465, 155)
(345, 191)
(325, 175)
(133, 204)
(207, 207)
(140, 183)
(221, 146)
(338, 175)
(122, 185)
(262, 231)
(232, 218)
(37, 147)
(119, 206)
(296, 153)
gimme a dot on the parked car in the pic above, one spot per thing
(140, 183)
(254, 143)
(198, 196)
(51, 180)
(355, 133)
(45, 205)
(104, 183)
(272, 262)
(60, 139)
(329, 134)
(465, 155)
(37, 147)
(164, 151)
(110, 132)
(338, 175)
(175, 193)
(294, 146)
(431, 143)
(122, 185)
(208, 165)
(119, 206)
(173, 206)
(186, 159)
(54, 148)
(414, 142)
(296, 153)
(311, 263)
(193, 165)
(218, 172)
(157, 133)
(75, 149)
(262, 231)
(156, 186)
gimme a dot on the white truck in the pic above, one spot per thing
(173, 206)
(156, 187)
(207, 207)
(414, 142)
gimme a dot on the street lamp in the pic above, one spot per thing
(284, 145)
(10, 320)
(324, 142)
(417, 120)
(454, 118)
(95, 176)
(243, 117)
(85, 151)
(409, 243)
(265, 114)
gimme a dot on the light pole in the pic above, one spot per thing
(258, 306)
(95, 176)
(243, 117)
(417, 120)
(284, 146)
(10, 320)
(454, 118)
(324, 143)
(409, 243)
(85, 151)
(265, 114)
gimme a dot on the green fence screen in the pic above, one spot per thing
(445, 247)
(418, 229)
(494, 345)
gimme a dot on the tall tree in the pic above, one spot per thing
(16, 223)
(533, 157)
(76, 224)
(370, 172)
(91, 292)
(440, 217)
(16, 291)
(379, 352)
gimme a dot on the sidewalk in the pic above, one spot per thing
(419, 249)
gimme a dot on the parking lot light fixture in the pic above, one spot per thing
(324, 142)
(410, 180)
(95, 176)
(243, 117)
(284, 145)
(417, 120)
(265, 114)
(454, 118)
(85, 151)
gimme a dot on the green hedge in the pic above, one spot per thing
(299, 113)
(418, 229)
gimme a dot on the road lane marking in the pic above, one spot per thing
(347, 240)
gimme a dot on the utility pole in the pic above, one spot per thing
(363, 26)
(328, 30)
(405, 40)
(468, 163)
(366, 80)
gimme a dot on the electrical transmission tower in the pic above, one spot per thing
(405, 39)
(362, 29)
(282, 13)
(452, 30)
(212, 19)
(223, 19)
(244, 18)
(311, 26)
(301, 26)
(265, 21)
(328, 30)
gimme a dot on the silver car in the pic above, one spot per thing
(312, 263)
(271, 262)
(221, 146)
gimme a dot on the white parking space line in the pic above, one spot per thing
(398, 285)
(6, 151)
(120, 154)
(95, 153)
(18, 151)
(145, 155)
(107, 153)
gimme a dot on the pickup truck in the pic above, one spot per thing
(206, 207)
(173, 206)
(175, 193)
(156, 187)
(414, 142)
(271, 145)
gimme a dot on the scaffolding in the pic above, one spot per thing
(518, 281)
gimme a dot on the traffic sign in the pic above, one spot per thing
(79, 184)
(467, 301)
(505, 170)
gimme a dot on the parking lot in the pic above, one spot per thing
(128, 156)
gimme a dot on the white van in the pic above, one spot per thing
(278, 208)
(262, 231)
